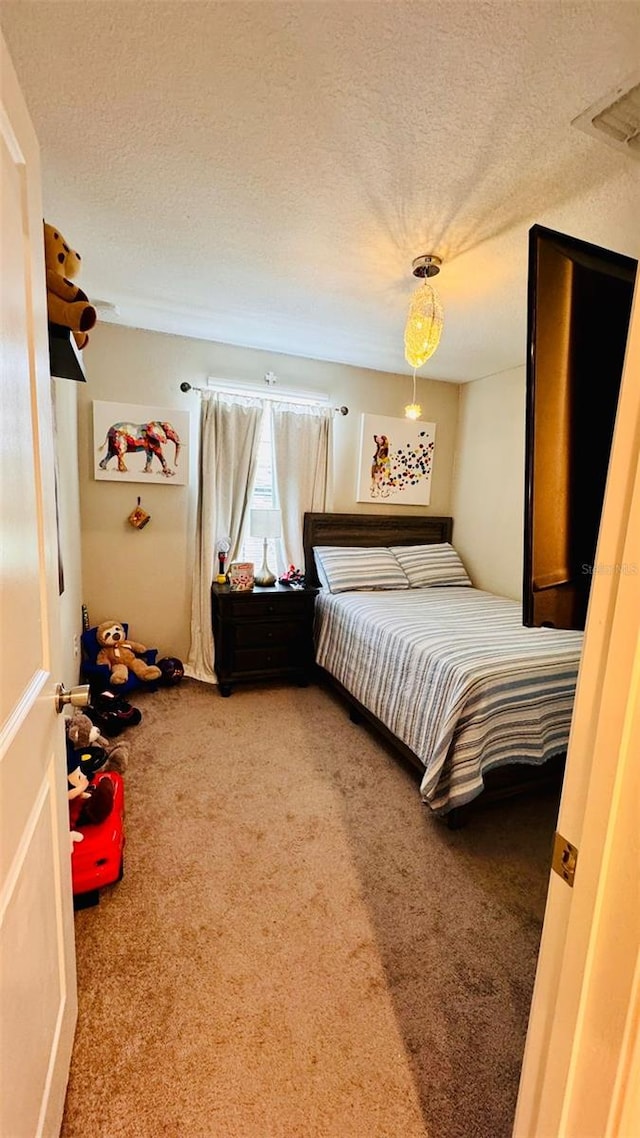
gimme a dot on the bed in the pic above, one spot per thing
(478, 703)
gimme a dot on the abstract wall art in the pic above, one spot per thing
(396, 460)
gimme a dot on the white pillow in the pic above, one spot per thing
(343, 569)
(431, 565)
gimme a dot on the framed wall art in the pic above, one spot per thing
(396, 459)
(140, 444)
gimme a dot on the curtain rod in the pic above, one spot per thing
(272, 396)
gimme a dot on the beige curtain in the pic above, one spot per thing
(229, 436)
(303, 449)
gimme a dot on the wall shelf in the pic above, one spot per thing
(64, 358)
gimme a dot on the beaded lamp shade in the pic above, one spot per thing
(425, 318)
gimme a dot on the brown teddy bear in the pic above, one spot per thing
(66, 303)
(120, 654)
(82, 733)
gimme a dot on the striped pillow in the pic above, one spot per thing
(343, 569)
(430, 565)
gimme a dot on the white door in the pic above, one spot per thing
(580, 1077)
(38, 993)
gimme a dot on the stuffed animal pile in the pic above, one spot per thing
(85, 738)
(96, 764)
(95, 791)
(66, 303)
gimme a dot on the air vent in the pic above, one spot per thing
(615, 118)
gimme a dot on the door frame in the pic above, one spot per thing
(583, 1027)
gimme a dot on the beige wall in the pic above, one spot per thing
(488, 488)
(144, 576)
(66, 419)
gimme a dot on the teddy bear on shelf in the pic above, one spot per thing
(66, 303)
(84, 736)
(121, 655)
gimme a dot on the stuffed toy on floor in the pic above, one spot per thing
(89, 804)
(66, 303)
(84, 735)
(121, 655)
(111, 713)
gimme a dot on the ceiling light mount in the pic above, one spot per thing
(427, 265)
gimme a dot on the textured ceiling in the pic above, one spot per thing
(264, 173)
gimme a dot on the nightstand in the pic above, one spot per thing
(262, 634)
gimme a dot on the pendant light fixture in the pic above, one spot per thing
(424, 322)
(425, 319)
(413, 410)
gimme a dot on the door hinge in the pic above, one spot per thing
(565, 857)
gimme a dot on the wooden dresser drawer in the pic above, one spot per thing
(262, 660)
(254, 607)
(266, 634)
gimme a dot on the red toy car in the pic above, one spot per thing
(98, 859)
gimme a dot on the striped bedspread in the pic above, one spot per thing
(453, 674)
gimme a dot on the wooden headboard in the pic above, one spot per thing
(369, 529)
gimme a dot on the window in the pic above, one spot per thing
(264, 495)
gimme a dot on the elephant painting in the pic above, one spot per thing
(130, 438)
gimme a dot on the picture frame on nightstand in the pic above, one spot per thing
(241, 576)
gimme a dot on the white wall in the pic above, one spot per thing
(68, 496)
(144, 576)
(488, 485)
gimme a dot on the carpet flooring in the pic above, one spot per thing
(298, 948)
